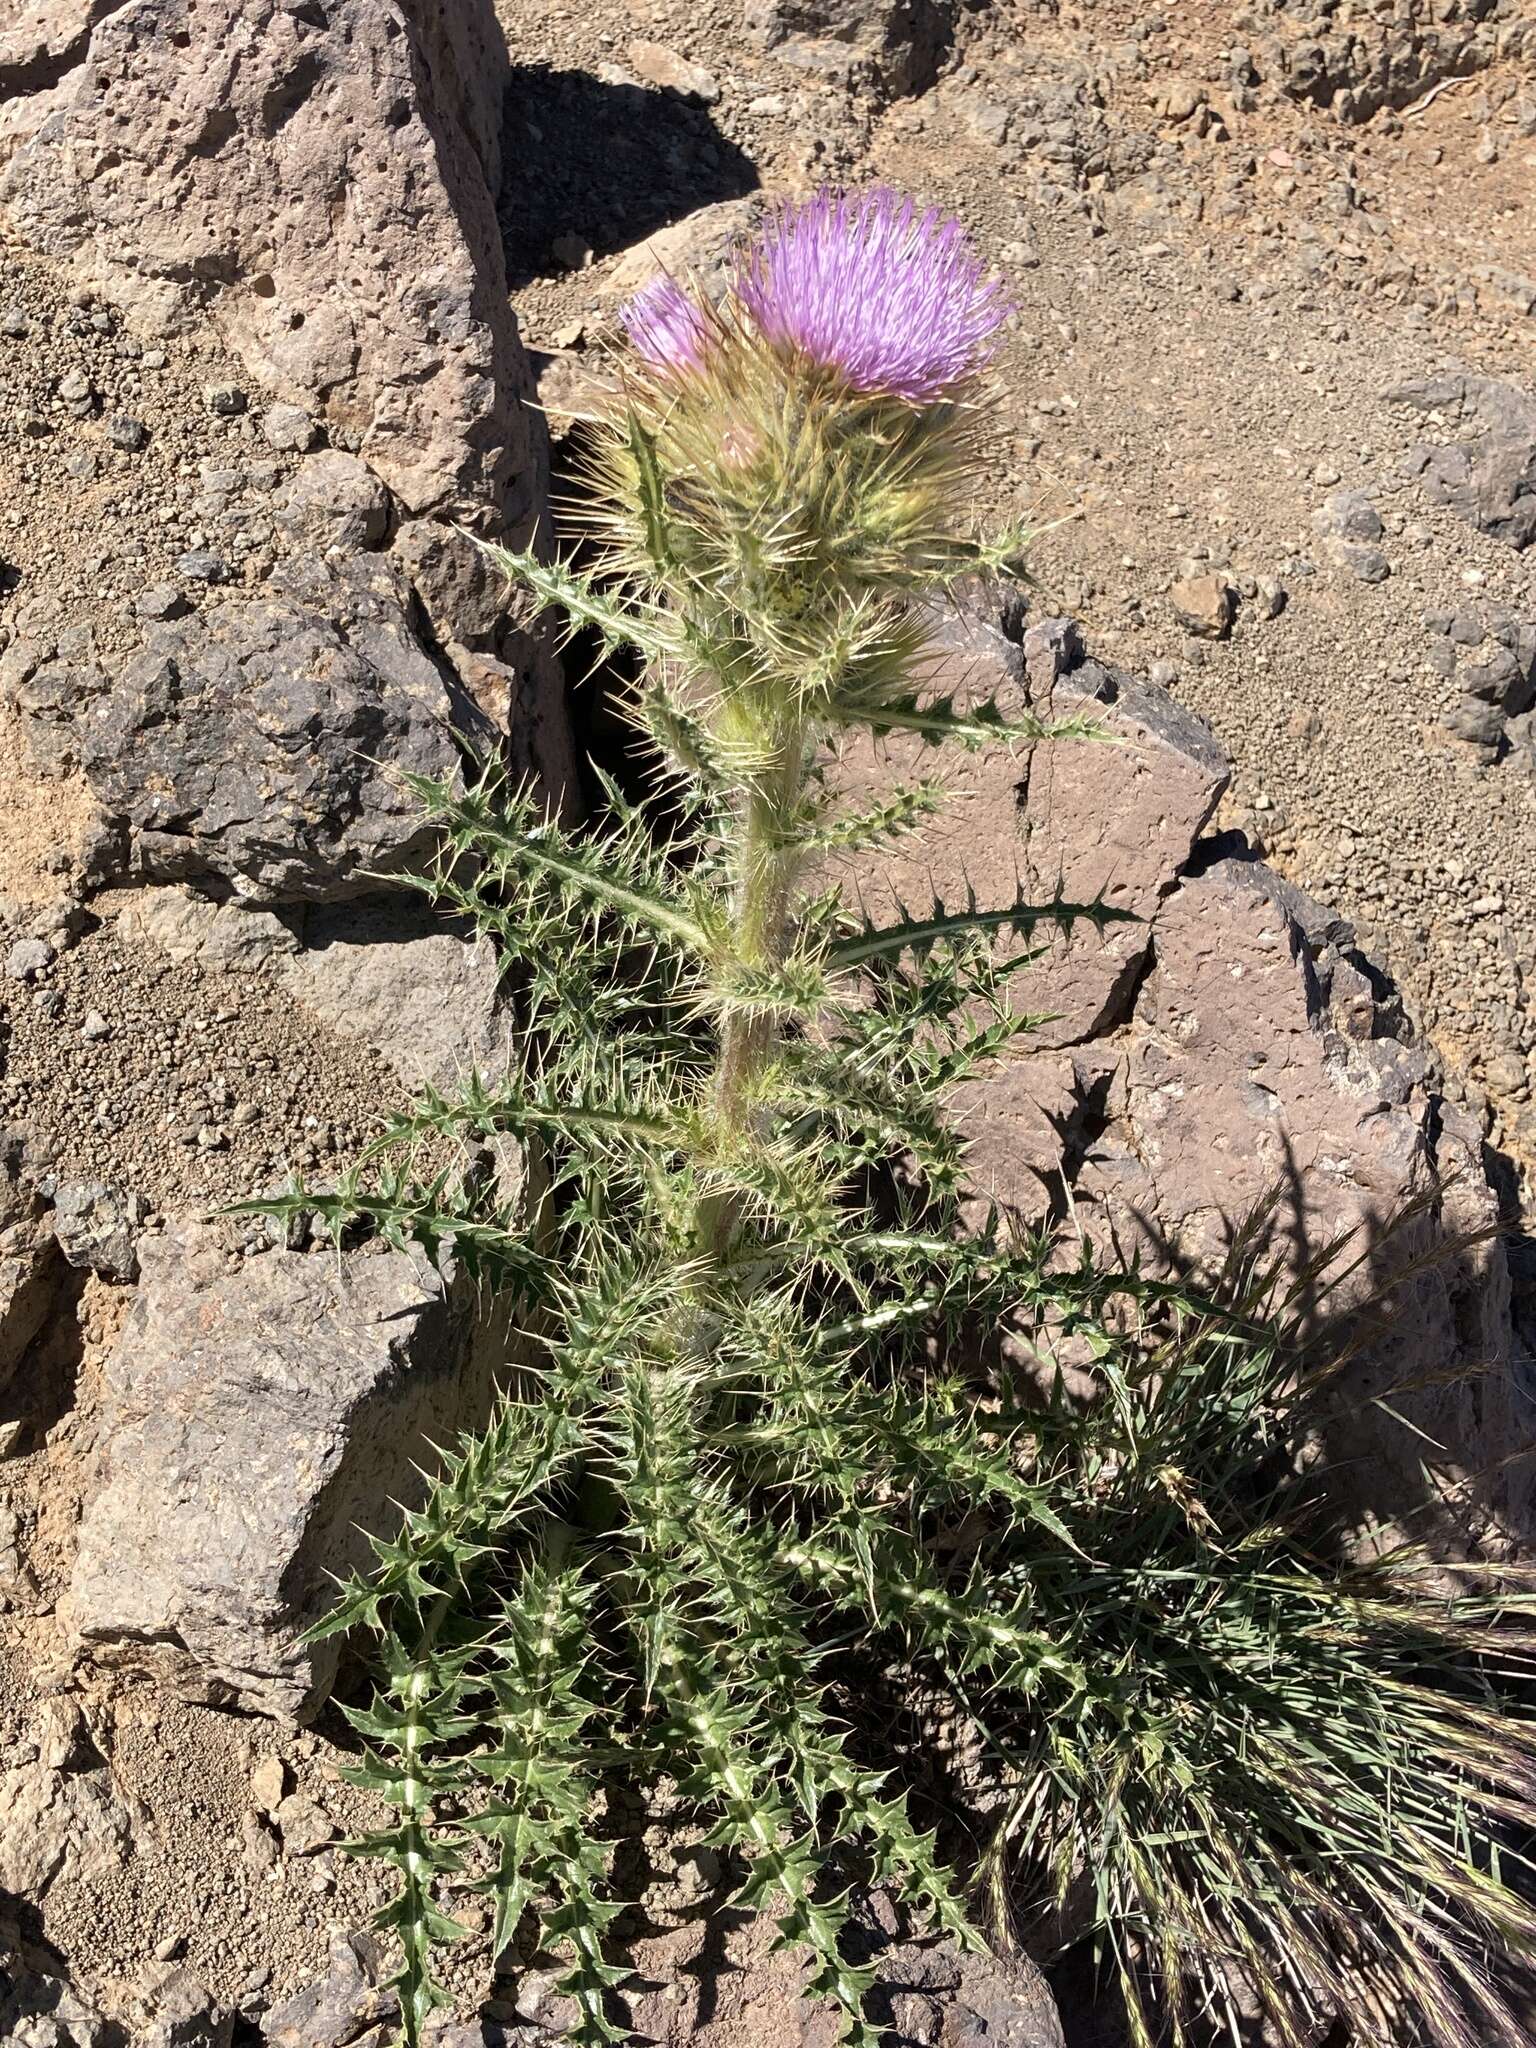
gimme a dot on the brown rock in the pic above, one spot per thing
(1227, 1049)
(387, 314)
(1204, 606)
(658, 65)
(1056, 820)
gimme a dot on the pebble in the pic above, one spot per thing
(124, 431)
(13, 322)
(95, 1026)
(224, 401)
(199, 565)
(75, 388)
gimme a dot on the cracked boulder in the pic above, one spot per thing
(1228, 1049)
(259, 744)
(1077, 819)
(259, 1417)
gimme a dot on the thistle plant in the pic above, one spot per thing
(754, 1446)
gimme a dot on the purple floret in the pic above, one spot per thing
(665, 327)
(896, 301)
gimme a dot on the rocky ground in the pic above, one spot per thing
(1267, 394)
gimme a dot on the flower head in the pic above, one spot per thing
(665, 327)
(895, 301)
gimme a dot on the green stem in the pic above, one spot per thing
(767, 859)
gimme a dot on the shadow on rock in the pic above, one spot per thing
(600, 165)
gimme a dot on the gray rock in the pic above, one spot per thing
(29, 1261)
(288, 427)
(159, 601)
(202, 565)
(224, 401)
(260, 741)
(1480, 725)
(384, 970)
(59, 1824)
(342, 2006)
(892, 46)
(124, 431)
(39, 2006)
(1355, 558)
(25, 959)
(259, 1416)
(177, 2010)
(1349, 515)
(98, 1228)
(333, 501)
(1489, 479)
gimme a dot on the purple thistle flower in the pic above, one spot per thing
(896, 301)
(665, 327)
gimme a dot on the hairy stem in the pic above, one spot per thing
(767, 859)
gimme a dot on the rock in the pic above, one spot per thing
(1205, 606)
(98, 1227)
(1365, 564)
(288, 427)
(202, 565)
(269, 1782)
(339, 2009)
(1349, 515)
(388, 317)
(160, 601)
(29, 1263)
(25, 959)
(389, 323)
(303, 1825)
(259, 742)
(1489, 480)
(124, 431)
(333, 501)
(177, 2010)
(39, 2006)
(892, 46)
(258, 1418)
(698, 248)
(224, 401)
(1227, 1049)
(58, 1824)
(981, 2001)
(1042, 815)
(386, 971)
(659, 66)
